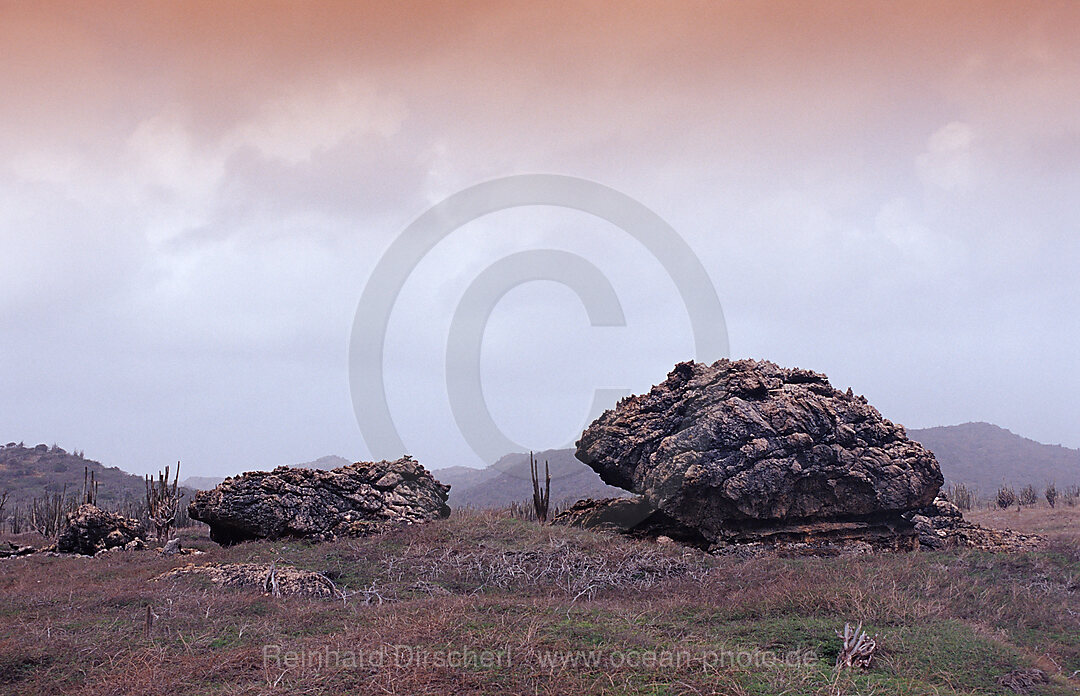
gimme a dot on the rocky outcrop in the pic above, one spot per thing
(941, 525)
(89, 530)
(352, 500)
(746, 451)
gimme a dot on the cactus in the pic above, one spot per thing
(46, 514)
(541, 498)
(162, 501)
(90, 487)
(1005, 497)
(961, 496)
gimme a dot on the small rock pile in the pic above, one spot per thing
(90, 530)
(941, 525)
(277, 580)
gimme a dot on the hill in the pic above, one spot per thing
(983, 455)
(29, 472)
(330, 461)
(462, 478)
(201, 483)
(508, 480)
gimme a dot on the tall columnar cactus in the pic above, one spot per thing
(541, 497)
(961, 496)
(90, 488)
(47, 513)
(162, 502)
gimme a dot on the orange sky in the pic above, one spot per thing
(91, 69)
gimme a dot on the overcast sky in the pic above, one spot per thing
(192, 197)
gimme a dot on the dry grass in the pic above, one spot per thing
(1062, 522)
(556, 607)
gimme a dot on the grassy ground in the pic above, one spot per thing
(482, 603)
(1060, 522)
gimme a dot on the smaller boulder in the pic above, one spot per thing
(354, 500)
(90, 530)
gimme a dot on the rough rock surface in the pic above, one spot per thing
(633, 516)
(89, 530)
(747, 450)
(941, 525)
(352, 500)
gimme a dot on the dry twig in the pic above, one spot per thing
(858, 648)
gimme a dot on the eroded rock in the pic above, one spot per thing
(89, 530)
(746, 451)
(351, 500)
(941, 525)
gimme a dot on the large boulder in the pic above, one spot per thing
(89, 529)
(351, 500)
(744, 449)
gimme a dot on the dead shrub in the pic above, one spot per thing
(561, 568)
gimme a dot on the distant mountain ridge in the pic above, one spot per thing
(29, 472)
(980, 455)
(330, 461)
(509, 480)
(462, 478)
(984, 455)
(201, 483)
